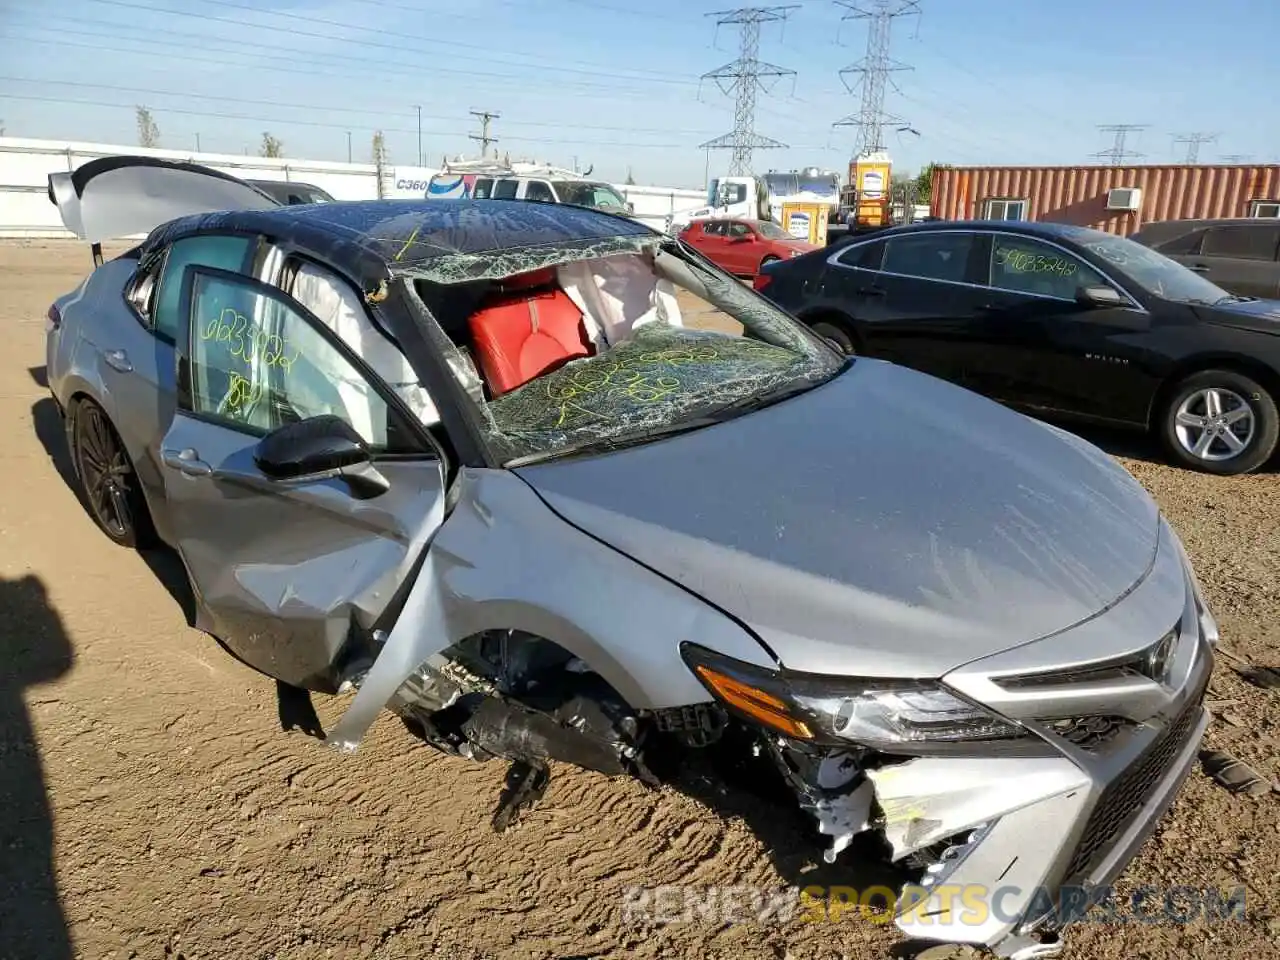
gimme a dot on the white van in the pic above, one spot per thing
(542, 187)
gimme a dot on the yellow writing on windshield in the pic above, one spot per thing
(241, 394)
(1020, 261)
(248, 342)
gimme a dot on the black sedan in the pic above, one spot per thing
(1059, 320)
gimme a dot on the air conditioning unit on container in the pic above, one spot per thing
(1124, 198)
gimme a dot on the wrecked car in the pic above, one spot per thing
(551, 486)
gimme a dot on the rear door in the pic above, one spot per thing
(285, 571)
(1240, 257)
(712, 242)
(914, 301)
(1034, 345)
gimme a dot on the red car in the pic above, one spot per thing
(742, 247)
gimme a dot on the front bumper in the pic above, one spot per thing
(1025, 837)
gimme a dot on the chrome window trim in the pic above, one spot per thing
(834, 261)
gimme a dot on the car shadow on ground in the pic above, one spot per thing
(34, 649)
(50, 431)
(735, 784)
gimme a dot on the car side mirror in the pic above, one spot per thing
(320, 448)
(1100, 297)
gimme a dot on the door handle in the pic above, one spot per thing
(117, 360)
(186, 461)
(870, 291)
(1200, 268)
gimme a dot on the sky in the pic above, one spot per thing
(615, 86)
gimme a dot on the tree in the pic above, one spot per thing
(148, 132)
(924, 182)
(380, 162)
(271, 147)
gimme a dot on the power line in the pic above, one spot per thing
(1236, 157)
(276, 62)
(745, 77)
(1193, 141)
(602, 70)
(875, 68)
(323, 108)
(1118, 153)
(483, 137)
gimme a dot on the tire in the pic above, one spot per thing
(1237, 411)
(108, 483)
(838, 333)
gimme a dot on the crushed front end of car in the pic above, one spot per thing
(1008, 783)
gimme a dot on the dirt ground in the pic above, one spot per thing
(151, 806)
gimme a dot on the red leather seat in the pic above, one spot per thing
(528, 328)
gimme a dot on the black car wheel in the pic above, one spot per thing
(110, 485)
(1220, 421)
(839, 335)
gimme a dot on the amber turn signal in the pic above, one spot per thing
(756, 704)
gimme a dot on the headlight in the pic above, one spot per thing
(908, 716)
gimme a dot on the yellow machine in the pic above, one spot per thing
(806, 221)
(871, 174)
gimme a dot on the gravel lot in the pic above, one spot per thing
(151, 805)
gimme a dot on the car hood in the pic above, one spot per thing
(1261, 315)
(886, 523)
(115, 197)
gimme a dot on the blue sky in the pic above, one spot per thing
(615, 84)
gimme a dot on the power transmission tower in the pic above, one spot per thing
(874, 68)
(744, 77)
(1118, 153)
(1193, 141)
(483, 137)
(1236, 157)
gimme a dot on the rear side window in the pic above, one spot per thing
(864, 256)
(1187, 245)
(1243, 242)
(505, 189)
(224, 253)
(539, 191)
(483, 188)
(930, 256)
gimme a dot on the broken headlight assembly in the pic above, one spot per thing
(888, 716)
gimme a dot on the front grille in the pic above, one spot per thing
(1125, 795)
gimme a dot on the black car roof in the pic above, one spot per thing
(438, 239)
(1031, 228)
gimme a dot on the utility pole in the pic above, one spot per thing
(874, 68)
(1193, 141)
(743, 78)
(197, 143)
(483, 138)
(348, 146)
(419, 109)
(1118, 153)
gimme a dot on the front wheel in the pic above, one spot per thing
(1220, 421)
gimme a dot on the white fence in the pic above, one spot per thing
(25, 165)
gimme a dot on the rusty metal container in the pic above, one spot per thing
(1078, 195)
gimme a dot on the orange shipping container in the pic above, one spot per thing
(1078, 195)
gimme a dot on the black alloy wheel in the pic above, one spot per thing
(110, 485)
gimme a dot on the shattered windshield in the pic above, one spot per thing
(599, 196)
(600, 353)
(1152, 271)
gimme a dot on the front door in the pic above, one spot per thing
(285, 571)
(1037, 346)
